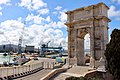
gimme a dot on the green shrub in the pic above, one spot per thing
(80, 78)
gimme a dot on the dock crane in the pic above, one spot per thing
(45, 48)
(20, 41)
(48, 43)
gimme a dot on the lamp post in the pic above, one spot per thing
(9, 53)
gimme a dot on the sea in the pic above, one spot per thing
(7, 58)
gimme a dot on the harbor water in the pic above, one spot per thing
(7, 58)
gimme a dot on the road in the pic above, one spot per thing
(35, 76)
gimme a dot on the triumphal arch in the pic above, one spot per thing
(93, 20)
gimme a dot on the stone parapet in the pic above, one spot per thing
(53, 72)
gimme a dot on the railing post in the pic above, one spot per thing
(26, 68)
(29, 67)
(47, 65)
(35, 66)
(53, 64)
(13, 70)
(1, 72)
(18, 70)
(7, 71)
(22, 69)
(42, 64)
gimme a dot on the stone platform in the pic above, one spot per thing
(76, 71)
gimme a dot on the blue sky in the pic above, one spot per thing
(44, 20)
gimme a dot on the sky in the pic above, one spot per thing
(41, 21)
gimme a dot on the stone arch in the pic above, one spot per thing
(80, 45)
(93, 20)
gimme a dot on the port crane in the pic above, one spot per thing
(20, 41)
(45, 48)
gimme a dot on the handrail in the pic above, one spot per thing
(8, 71)
(19, 71)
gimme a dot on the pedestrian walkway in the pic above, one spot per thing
(35, 76)
(76, 71)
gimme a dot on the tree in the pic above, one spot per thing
(112, 54)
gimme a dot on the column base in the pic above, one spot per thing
(102, 65)
(71, 61)
(102, 61)
(92, 62)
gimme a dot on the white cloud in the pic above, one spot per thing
(32, 4)
(58, 8)
(37, 19)
(62, 19)
(4, 2)
(43, 11)
(38, 30)
(58, 24)
(59, 33)
(20, 19)
(61, 13)
(38, 3)
(11, 25)
(63, 16)
(11, 30)
(113, 12)
(55, 37)
(118, 1)
(48, 19)
(0, 13)
(1, 31)
(29, 17)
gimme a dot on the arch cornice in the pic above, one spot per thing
(69, 24)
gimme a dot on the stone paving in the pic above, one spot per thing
(75, 71)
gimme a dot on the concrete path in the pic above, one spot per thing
(35, 76)
(60, 76)
(76, 71)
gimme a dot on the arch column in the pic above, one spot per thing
(92, 47)
(79, 49)
(80, 52)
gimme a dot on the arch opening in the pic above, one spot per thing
(87, 48)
